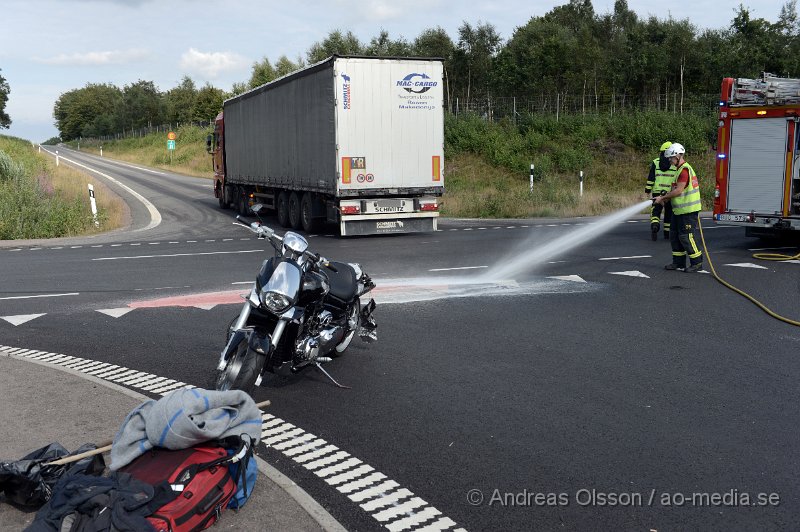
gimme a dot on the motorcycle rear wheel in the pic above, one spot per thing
(241, 371)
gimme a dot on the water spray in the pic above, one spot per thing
(527, 260)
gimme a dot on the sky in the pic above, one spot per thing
(49, 47)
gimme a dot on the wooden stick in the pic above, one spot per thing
(70, 459)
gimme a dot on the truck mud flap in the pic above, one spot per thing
(387, 226)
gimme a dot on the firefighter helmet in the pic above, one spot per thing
(676, 150)
(665, 146)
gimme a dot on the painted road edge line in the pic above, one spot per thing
(155, 216)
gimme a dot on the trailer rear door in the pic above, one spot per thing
(390, 122)
(757, 166)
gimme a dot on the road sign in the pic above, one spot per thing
(171, 135)
(170, 144)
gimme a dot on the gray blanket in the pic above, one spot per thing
(183, 419)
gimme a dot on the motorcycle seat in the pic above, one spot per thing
(343, 282)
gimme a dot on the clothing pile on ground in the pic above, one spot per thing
(176, 464)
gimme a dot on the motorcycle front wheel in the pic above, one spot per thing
(241, 370)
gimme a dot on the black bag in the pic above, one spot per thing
(29, 482)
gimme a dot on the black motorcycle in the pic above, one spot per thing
(302, 311)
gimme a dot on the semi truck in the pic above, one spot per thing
(758, 147)
(355, 141)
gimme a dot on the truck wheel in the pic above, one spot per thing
(310, 224)
(283, 209)
(294, 211)
(222, 203)
(242, 207)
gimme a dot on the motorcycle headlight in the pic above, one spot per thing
(275, 301)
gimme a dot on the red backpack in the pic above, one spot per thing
(199, 474)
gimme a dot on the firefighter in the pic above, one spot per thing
(686, 205)
(659, 181)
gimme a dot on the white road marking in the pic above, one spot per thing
(115, 312)
(20, 318)
(573, 278)
(42, 295)
(631, 257)
(387, 499)
(181, 255)
(363, 483)
(746, 265)
(630, 274)
(460, 268)
(771, 249)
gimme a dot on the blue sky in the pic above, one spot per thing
(48, 47)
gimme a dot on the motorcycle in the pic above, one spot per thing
(302, 311)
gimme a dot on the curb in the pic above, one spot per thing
(325, 520)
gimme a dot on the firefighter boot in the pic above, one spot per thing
(654, 228)
(666, 234)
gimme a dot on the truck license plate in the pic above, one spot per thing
(388, 206)
(732, 217)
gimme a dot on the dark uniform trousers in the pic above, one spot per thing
(684, 239)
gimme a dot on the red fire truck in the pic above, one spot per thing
(758, 147)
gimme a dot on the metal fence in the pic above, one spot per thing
(503, 107)
(508, 107)
(147, 130)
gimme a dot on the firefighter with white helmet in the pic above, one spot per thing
(686, 205)
(659, 181)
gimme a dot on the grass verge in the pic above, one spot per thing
(40, 200)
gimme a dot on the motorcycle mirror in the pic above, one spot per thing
(256, 208)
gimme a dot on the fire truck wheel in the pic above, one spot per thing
(294, 211)
(283, 209)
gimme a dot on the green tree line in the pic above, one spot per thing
(571, 51)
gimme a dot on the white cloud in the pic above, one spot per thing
(111, 57)
(211, 64)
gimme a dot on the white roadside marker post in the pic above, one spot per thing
(531, 178)
(94, 205)
(581, 183)
(56, 157)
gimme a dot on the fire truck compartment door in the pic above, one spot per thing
(757, 165)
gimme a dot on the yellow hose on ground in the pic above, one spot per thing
(741, 292)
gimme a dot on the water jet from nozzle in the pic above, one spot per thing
(525, 261)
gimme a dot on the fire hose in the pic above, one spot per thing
(763, 256)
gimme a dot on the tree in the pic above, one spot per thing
(87, 112)
(141, 106)
(179, 101)
(383, 45)
(477, 47)
(5, 120)
(208, 103)
(336, 43)
(262, 72)
(284, 66)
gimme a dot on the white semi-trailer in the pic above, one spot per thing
(357, 141)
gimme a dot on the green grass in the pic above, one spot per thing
(487, 165)
(38, 200)
(189, 156)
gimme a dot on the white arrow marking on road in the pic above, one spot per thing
(20, 319)
(573, 278)
(205, 307)
(115, 312)
(747, 265)
(792, 261)
(631, 274)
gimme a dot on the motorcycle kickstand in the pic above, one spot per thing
(319, 366)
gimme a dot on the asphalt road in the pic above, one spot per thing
(576, 403)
